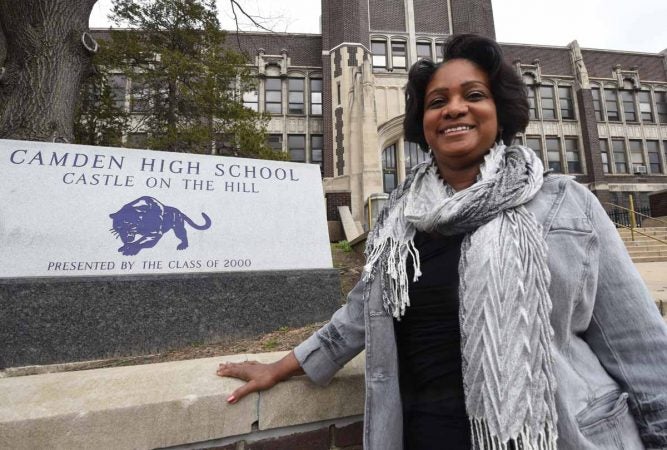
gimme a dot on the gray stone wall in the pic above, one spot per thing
(53, 320)
(431, 16)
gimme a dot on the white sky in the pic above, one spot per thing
(635, 25)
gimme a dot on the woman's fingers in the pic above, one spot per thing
(257, 375)
(235, 370)
(244, 390)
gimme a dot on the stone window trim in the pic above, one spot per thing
(653, 91)
(536, 88)
(388, 40)
(605, 89)
(274, 96)
(614, 152)
(622, 76)
(296, 95)
(545, 149)
(435, 45)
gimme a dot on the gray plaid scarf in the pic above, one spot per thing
(503, 292)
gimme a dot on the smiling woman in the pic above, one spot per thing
(498, 306)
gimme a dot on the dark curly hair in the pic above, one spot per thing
(507, 88)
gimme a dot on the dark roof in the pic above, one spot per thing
(303, 49)
(600, 64)
(553, 60)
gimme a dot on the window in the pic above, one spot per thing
(553, 154)
(316, 151)
(117, 84)
(275, 142)
(597, 104)
(620, 160)
(439, 51)
(611, 102)
(653, 150)
(316, 97)
(398, 55)
(573, 155)
(636, 153)
(548, 102)
(412, 155)
(140, 97)
(535, 142)
(604, 152)
(532, 99)
(661, 106)
(629, 110)
(645, 108)
(273, 96)
(566, 102)
(295, 96)
(389, 175)
(251, 100)
(379, 50)
(424, 50)
(297, 147)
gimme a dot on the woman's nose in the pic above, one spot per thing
(455, 108)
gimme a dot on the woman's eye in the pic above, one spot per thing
(476, 95)
(436, 102)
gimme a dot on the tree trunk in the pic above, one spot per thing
(46, 62)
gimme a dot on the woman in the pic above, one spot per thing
(499, 308)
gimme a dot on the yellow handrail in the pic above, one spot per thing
(637, 231)
(638, 213)
(633, 220)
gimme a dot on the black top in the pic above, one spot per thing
(428, 339)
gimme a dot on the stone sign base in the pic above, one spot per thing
(49, 320)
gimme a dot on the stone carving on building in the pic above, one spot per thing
(273, 65)
(580, 68)
(631, 75)
(533, 70)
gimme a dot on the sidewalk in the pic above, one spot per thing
(655, 277)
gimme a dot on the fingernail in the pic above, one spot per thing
(231, 399)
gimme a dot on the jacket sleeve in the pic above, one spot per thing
(328, 349)
(627, 333)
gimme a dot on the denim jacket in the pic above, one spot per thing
(609, 344)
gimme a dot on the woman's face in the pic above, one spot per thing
(460, 121)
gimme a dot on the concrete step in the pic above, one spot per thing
(641, 259)
(660, 252)
(643, 248)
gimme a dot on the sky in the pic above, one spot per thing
(636, 25)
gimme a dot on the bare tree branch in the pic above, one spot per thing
(253, 20)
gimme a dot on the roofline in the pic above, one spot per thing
(566, 47)
(267, 33)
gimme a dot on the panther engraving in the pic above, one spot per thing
(141, 224)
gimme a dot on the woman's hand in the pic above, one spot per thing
(259, 376)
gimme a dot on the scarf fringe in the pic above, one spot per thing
(394, 254)
(483, 440)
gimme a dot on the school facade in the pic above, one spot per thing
(336, 99)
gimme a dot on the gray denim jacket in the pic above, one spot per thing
(610, 343)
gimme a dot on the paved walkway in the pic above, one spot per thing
(655, 277)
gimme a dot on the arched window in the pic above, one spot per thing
(389, 175)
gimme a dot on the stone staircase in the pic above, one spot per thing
(645, 249)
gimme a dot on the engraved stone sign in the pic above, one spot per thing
(108, 252)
